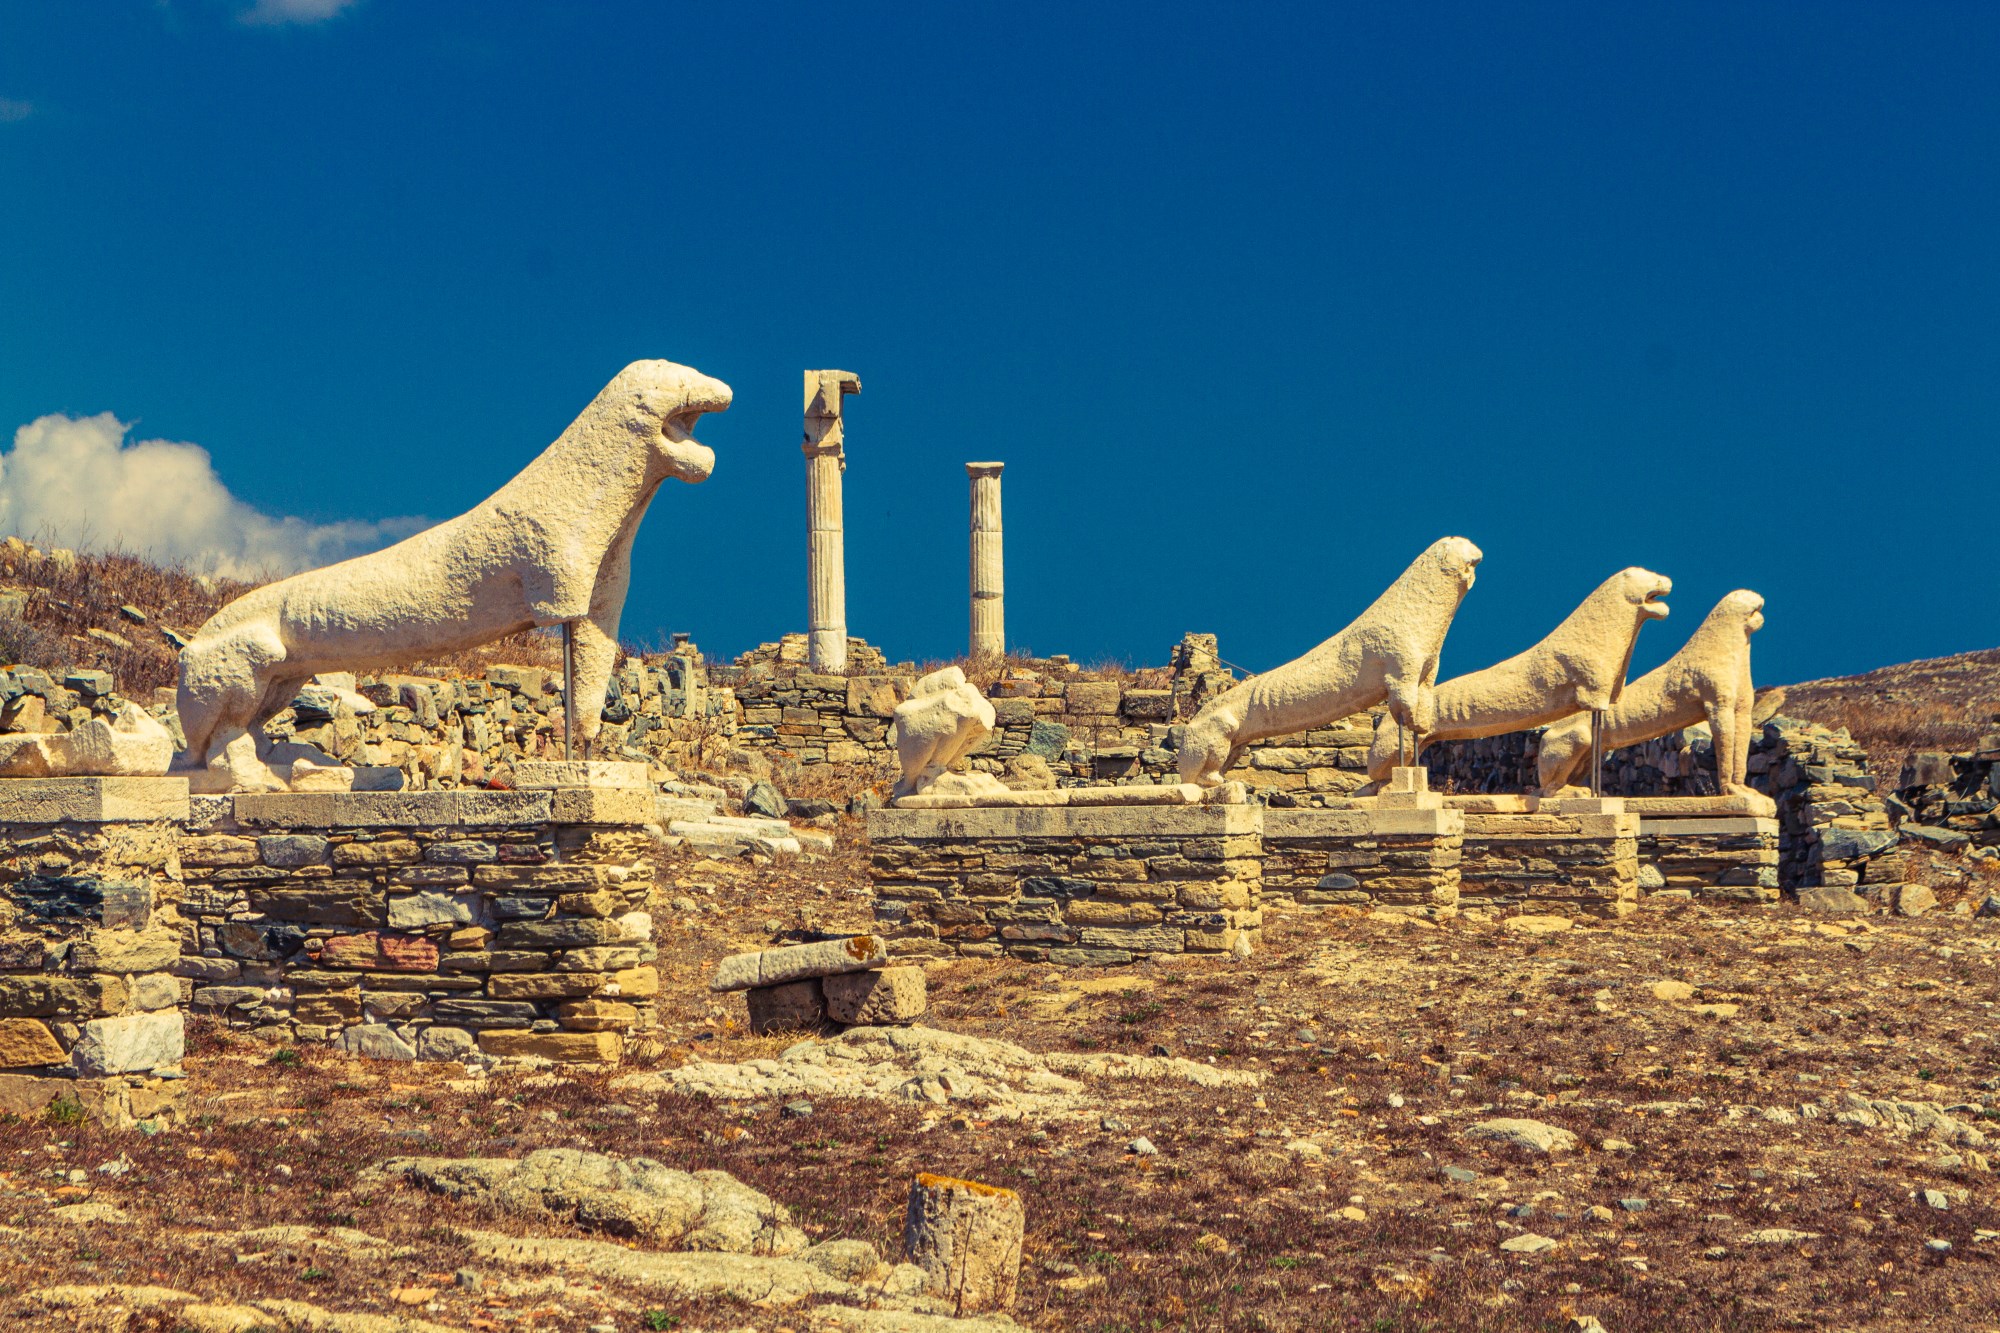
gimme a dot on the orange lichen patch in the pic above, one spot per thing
(861, 946)
(931, 1182)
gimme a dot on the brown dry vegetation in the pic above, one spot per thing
(1941, 703)
(1226, 1228)
(68, 599)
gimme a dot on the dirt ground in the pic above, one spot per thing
(1727, 1172)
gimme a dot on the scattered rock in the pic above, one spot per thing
(1538, 925)
(1527, 1243)
(1915, 899)
(1530, 1134)
(925, 1064)
(1833, 899)
(1673, 992)
(765, 800)
(635, 1196)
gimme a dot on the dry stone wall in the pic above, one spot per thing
(430, 925)
(1572, 864)
(89, 935)
(1406, 860)
(423, 733)
(1952, 801)
(1077, 886)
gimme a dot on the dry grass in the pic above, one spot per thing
(1225, 1229)
(69, 599)
(1941, 703)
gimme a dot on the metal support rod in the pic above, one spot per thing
(1597, 752)
(569, 690)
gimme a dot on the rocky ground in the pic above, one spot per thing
(1709, 1119)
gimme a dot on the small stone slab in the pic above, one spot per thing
(397, 809)
(92, 800)
(892, 995)
(595, 774)
(131, 1044)
(1755, 806)
(823, 958)
(1834, 898)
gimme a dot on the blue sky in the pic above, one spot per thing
(1254, 301)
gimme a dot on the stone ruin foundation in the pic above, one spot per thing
(1108, 875)
(402, 925)
(1067, 884)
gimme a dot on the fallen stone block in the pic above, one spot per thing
(794, 1006)
(891, 995)
(823, 958)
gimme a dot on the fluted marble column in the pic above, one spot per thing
(989, 584)
(826, 559)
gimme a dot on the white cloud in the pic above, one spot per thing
(271, 13)
(12, 109)
(74, 481)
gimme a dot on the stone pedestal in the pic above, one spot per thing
(1552, 860)
(1073, 884)
(429, 925)
(90, 884)
(826, 575)
(1404, 860)
(1716, 847)
(989, 621)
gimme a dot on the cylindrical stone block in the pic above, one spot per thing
(967, 1239)
(989, 622)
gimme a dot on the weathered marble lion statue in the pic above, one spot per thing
(551, 547)
(1580, 666)
(944, 719)
(1389, 652)
(1708, 680)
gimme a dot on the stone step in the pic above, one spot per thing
(671, 808)
(749, 825)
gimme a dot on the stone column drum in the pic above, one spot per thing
(989, 621)
(826, 572)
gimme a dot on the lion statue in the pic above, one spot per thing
(551, 547)
(1580, 666)
(1708, 680)
(1389, 652)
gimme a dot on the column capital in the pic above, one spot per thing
(983, 469)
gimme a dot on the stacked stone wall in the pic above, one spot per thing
(89, 934)
(422, 733)
(1572, 864)
(1727, 859)
(430, 925)
(1082, 886)
(1404, 860)
(1952, 801)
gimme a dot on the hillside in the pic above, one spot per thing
(1940, 703)
(127, 615)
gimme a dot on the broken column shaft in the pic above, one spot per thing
(826, 573)
(989, 620)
